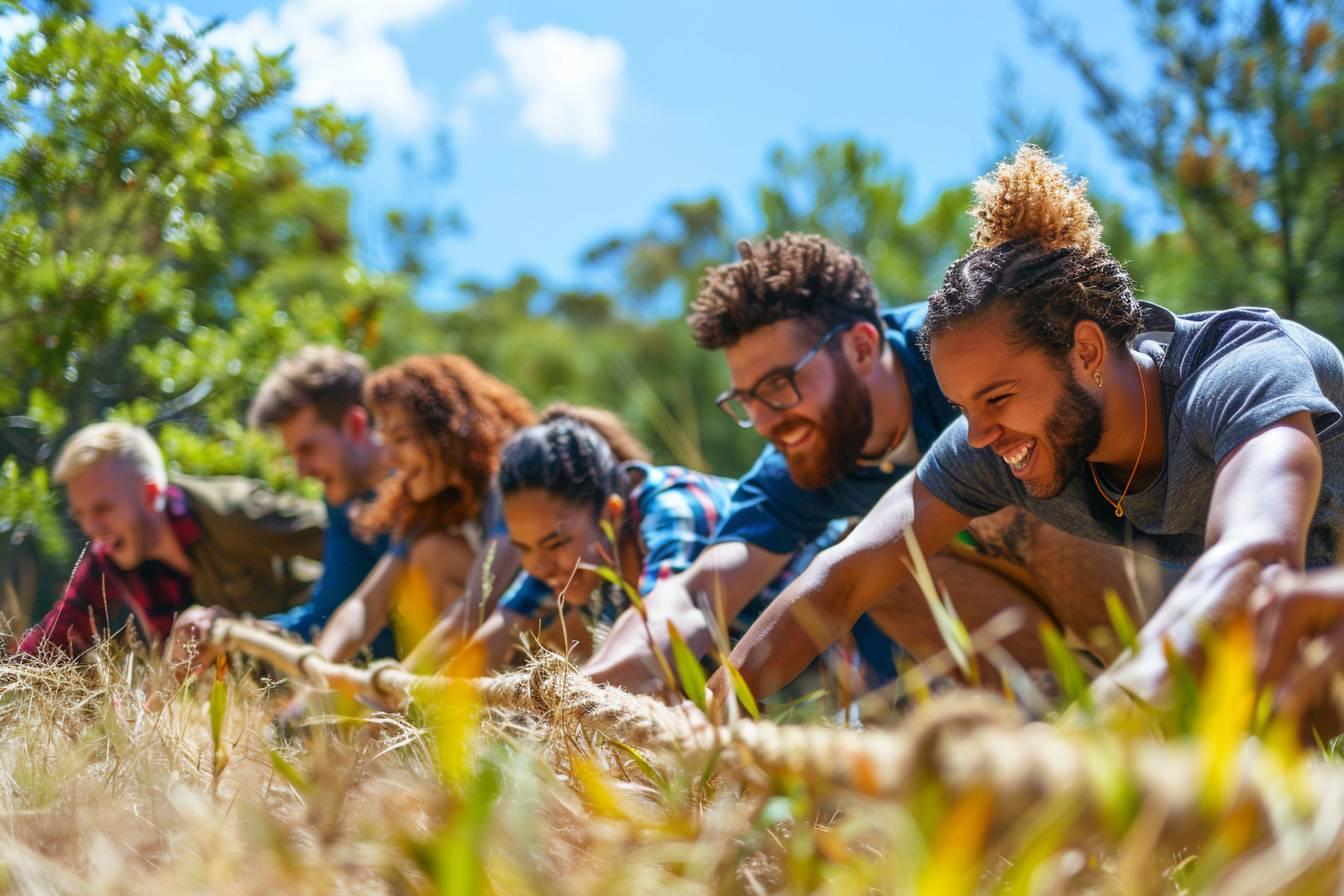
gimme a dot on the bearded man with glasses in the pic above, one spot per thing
(848, 405)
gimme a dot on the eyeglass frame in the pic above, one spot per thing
(790, 373)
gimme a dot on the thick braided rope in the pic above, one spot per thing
(959, 743)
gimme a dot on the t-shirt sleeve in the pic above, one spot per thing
(526, 596)
(967, 479)
(676, 526)
(1257, 376)
(770, 511)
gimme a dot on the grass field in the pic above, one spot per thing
(116, 778)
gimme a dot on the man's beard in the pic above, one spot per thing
(846, 422)
(1073, 431)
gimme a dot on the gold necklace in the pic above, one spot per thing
(1143, 442)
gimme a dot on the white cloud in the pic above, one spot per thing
(342, 54)
(14, 24)
(570, 83)
(480, 89)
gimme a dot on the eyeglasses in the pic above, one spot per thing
(778, 390)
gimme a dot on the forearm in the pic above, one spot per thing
(628, 657)
(724, 578)
(815, 611)
(495, 638)
(1216, 587)
(362, 616)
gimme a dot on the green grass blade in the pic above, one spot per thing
(689, 673)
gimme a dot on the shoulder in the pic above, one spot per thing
(674, 490)
(442, 552)
(1213, 335)
(906, 319)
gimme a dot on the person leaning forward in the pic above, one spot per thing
(159, 546)
(1213, 441)
(848, 405)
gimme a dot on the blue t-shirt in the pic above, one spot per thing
(770, 511)
(346, 562)
(1226, 375)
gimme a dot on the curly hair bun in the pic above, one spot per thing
(1032, 199)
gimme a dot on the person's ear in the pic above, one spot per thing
(863, 346)
(1089, 349)
(613, 510)
(355, 423)
(153, 495)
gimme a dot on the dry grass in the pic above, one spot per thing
(111, 782)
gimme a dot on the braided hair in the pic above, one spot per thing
(1037, 255)
(574, 453)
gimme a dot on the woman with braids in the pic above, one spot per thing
(1212, 441)
(443, 421)
(571, 483)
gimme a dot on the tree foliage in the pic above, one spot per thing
(1242, 134)
(154, 257)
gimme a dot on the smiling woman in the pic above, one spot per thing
(444, 422)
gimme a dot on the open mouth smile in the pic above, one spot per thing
(1019, 458)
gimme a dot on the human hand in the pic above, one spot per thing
(189, 643)
(1299, 622)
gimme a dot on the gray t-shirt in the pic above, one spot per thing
(1225, 375)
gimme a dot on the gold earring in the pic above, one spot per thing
(1096, 375)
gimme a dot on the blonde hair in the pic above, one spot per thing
(1032, 198)
(111, 441)
(1039, 258)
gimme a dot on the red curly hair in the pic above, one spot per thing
(462, 416)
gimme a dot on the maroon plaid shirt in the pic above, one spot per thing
(99, 591)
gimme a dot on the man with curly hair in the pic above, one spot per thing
(1211, 441)
(848, 405)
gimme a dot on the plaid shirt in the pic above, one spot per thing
(100, 592)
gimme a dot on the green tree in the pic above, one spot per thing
(1242, 134)
(155, 258)
(849, 191)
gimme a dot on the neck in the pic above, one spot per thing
(372, 465)
(1133, 395)
(165, 547)
(893, 407)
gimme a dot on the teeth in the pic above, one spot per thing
(1017, 458)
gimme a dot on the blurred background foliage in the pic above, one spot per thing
(164, 238)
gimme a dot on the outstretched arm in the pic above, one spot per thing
(727, 574)
(492, 571)
(1264, 496)
(839, 586)
(363, 614)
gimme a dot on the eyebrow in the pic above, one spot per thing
(541, 542)
(985, 390)
(783, 368)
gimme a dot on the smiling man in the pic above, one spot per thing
(848, 405)
(315, 402)
(158, 546)
(1211, 441)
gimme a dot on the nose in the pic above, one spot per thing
(981, 433)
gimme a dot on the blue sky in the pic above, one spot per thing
(571, 121)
